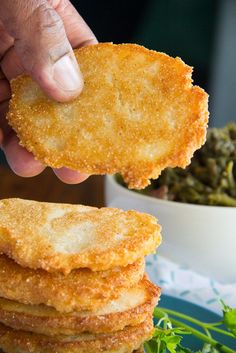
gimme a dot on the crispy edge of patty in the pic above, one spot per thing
(125, 341)
(23, 236)
(53, 323)
(81, 289)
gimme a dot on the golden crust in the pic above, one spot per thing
(60, 237)
(138, 114)
(133, 307)
(140, 350)
(80, 290)
(125, 341)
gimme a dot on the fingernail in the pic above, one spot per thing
(67, 74)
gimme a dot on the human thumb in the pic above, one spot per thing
(42, 47)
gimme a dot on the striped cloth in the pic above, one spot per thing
(179, 281)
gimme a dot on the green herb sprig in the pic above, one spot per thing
(170, 329)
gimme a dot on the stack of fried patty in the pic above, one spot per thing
(72, 278)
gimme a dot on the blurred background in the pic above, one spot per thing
(201, 32)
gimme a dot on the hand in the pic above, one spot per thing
(37, 37)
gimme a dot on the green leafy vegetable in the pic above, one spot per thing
(210, 179)
(169, 332)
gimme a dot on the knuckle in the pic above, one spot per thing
(48, 20)
(51, 30)
(24, 48)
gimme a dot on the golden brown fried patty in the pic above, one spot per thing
(138, 114)
(132, 307)
(60, 237)
(125, 341)
(80, 290)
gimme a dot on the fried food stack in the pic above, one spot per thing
(72, 278)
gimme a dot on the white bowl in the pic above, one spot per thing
(202, 238)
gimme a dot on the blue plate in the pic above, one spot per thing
(199, 313)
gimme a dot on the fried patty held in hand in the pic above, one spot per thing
(137, 114)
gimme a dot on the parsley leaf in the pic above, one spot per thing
(229, 317)
(169, 332)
